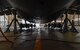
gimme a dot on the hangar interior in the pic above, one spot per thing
(38, 27)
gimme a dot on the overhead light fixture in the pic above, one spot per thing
(5, 9)
(12, 8)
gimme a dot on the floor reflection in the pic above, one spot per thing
(47, 38)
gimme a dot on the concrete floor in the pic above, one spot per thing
(42, 39)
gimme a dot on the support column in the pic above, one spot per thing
(78, 19)
(4, 19)
(74, 17)
(61, 20)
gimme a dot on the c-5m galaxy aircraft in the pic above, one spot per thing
(42, 10)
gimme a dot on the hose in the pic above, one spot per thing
(5, 36)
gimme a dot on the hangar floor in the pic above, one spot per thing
(41, 39)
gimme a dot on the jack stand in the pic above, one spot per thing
(73, 29)
(15, 25)
(65, 25)
(11, 24)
